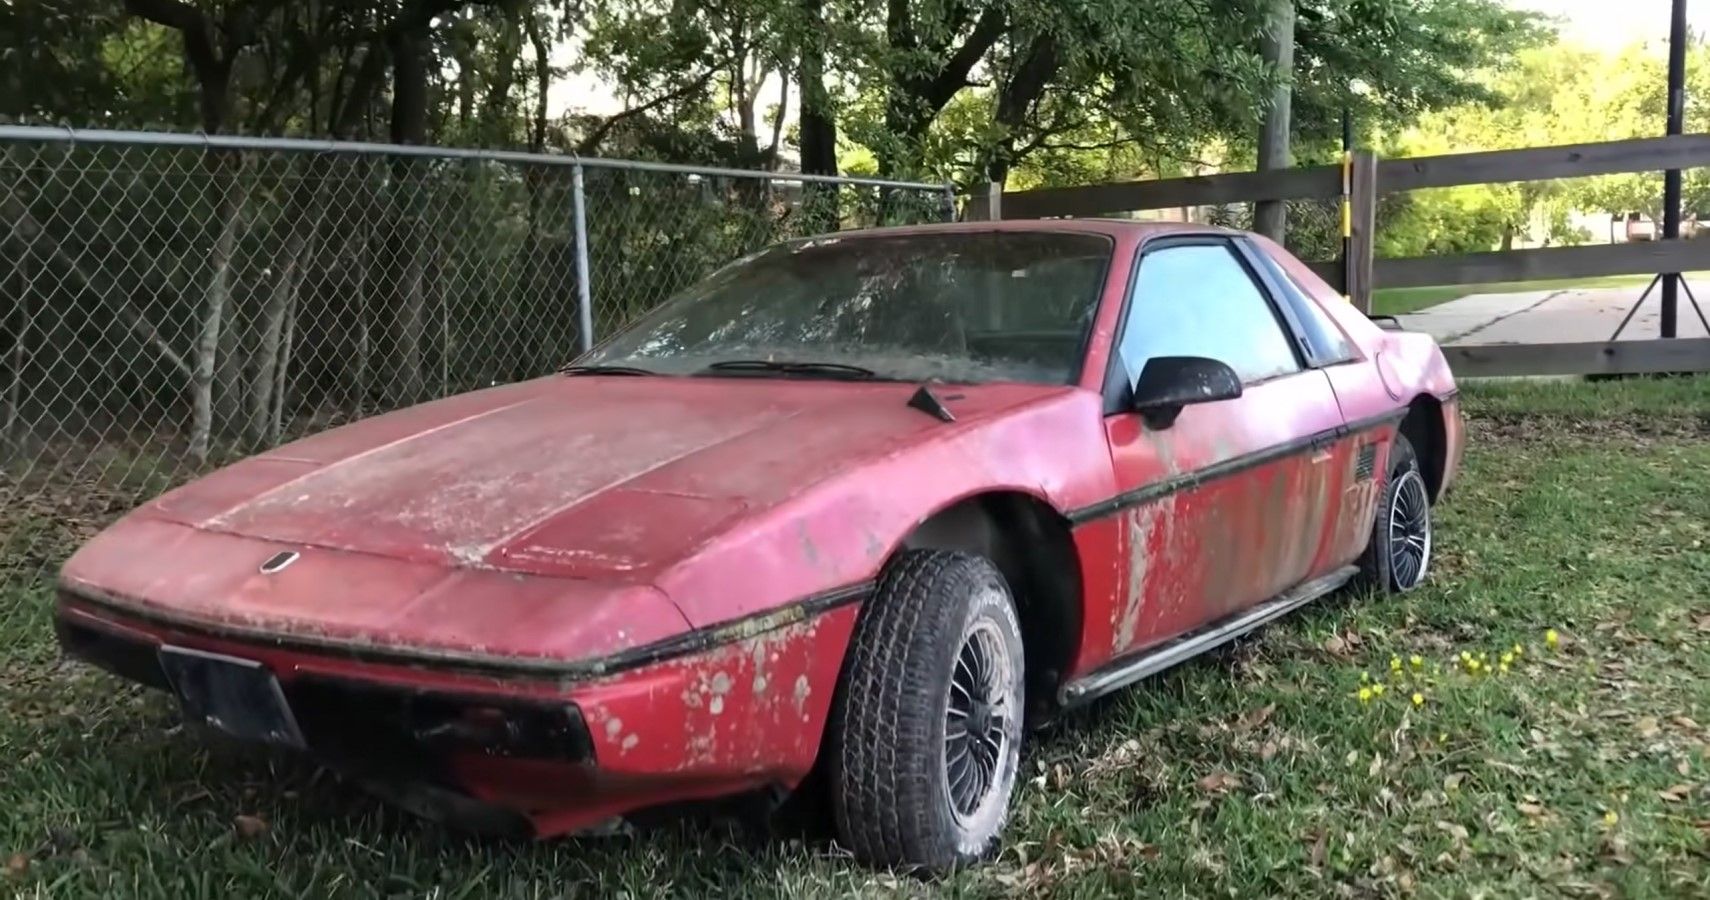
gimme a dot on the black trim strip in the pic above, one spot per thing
(687, 643)
(1228, 467)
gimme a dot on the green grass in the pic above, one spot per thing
(1254, 772)
(1398, 301)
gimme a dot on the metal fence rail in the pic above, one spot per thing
(169, 302)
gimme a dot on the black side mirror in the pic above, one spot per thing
(1168, 383)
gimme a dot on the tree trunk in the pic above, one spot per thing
(11, 419)
(1270, 217)
(818, 122)
(303, 216)
(277, 432)
(1038, 65)
(542, 83)
(229, 176)
(409, 126)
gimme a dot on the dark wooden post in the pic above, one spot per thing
(1362, 198)
(986, 205)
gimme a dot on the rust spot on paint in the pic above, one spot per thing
(1143, 523)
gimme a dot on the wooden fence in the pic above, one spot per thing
(1362, 271)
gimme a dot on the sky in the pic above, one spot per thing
(1612, 24)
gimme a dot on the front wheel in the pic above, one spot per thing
(928, 729)
(1399, 555)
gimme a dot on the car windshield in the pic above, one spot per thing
(949, 306)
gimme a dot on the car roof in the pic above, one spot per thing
(1132, 228)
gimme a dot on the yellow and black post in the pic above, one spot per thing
(1347, 206)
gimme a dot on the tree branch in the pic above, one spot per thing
(953, 76)
(592, 142)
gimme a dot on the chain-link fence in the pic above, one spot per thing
(172, 302)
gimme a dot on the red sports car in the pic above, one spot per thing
(861, 505)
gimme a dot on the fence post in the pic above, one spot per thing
(986, 206)
(949, 202)
(1362, 197)
(584, 296)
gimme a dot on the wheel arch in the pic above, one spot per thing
(1424, 429)
(1032, 544)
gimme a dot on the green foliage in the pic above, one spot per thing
(1053, 91)
(1551, 95)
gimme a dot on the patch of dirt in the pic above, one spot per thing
(1638, 429)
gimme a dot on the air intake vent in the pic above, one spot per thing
(1365, 462)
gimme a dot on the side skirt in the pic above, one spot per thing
(1121, 673)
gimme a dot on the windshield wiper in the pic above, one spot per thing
(605, 370)
(763, 366)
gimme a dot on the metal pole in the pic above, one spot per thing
(584, 296)
(1347, 207)
(949, 202)
(1671, 178)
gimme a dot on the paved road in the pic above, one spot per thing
(1541, 317)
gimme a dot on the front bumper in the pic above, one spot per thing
(526, 754)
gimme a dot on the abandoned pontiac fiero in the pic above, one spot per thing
(862, 506)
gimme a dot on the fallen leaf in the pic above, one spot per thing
(18, 865)
(1319, 848)
(1218, 782)
(1453, 782)
(1647, 727)
(1256, 718)
(1269, 749)
(1335, 646)
(250, 826)
(1530, 809)
(1456, 831)
(1677, 793)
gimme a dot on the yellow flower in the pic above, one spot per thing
(1365, 677)
(1465, 656)
(1416, 661)
(1519, 650)
(1395, 664)
(1472, 666)
(1418, 699)
(1610, 818)
(1377, 690)
(1442, 737)
(1365, 694)
(1551, 638)
(1506, 659)
(1503, 668)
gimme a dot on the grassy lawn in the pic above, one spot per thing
(1581, 770)
(1398, 301)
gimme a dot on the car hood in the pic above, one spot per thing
(597, 477)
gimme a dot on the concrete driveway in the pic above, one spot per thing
(1541, 317)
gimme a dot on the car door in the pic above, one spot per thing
(1228, 505)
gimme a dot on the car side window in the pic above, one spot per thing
(1325, 340)
(1199, 300)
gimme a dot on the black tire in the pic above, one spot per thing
(1398, 557)
(895, 753)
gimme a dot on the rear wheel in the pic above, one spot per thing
(928, 728)
(1399, 555)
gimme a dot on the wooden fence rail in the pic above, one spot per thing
(1359, 274)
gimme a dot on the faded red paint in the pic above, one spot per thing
(576, 520)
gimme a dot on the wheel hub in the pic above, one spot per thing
(977, 721)
(1409, 530)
